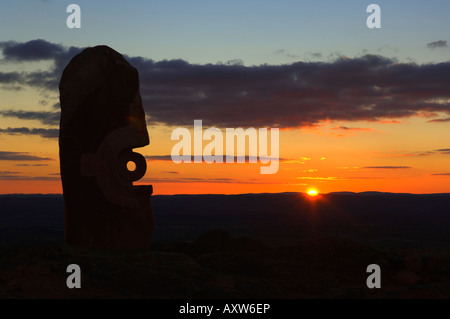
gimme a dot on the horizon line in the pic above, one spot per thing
(263, 193)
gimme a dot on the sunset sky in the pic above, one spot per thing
(358, 109)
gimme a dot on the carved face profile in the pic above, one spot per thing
(102, 120)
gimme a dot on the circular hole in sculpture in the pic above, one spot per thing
(131, 166)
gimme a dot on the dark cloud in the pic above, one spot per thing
(235, 158)
(368, 88)
(346, 128)
(37, 50)
(235, 62)
(47, 118)
(21, 156)
(336, 178)
(290, 55)
(387, 167)
(47, 133)
(11, 177)
(175, 92)
(437, 44)
(443, 151)
(441, 174)
(439, 120)
(172, 172)
(199, 180)
(26, 178)
(45, 178)
(11, 87)
(34, 50)
(159, 157)
(31, 164)
(10, 77)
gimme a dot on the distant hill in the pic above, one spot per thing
(383, 218)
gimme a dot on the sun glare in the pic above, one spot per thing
(312, 192)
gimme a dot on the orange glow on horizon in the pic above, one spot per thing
(309, 160)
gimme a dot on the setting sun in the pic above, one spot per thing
(313, 192)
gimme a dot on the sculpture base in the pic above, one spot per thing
(78, 251)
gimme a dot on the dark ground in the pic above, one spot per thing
(242, 246)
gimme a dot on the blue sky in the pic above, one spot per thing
(370, 101)
(256, 32)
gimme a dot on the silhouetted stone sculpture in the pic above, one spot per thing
(102, 120)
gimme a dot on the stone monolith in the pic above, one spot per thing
(102, 121)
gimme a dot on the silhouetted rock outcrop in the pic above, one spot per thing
(414, 263)
(314, 268)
